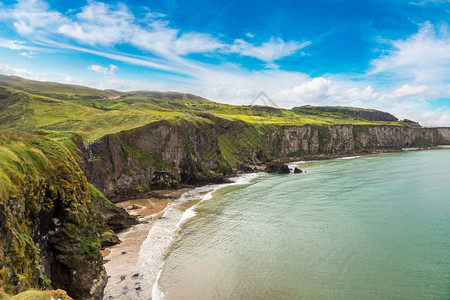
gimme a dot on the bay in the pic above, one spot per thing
(372, 227)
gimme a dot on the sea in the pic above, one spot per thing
(369, 227)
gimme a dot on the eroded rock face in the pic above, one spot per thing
(301, 141)
(49, 236)
(158, 155)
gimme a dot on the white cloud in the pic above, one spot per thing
(8, 70)
(431, 118)
(29, 54)
(107, 72)
(29, 15)
(15, 45)
(424, 57)
(313, 90)
(268, 51)
(323, 91)
(100, 24)
(409, 91)
(196, 43)
(355, 95)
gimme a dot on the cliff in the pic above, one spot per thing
(50, 217)
(164, 154)
(157, 155)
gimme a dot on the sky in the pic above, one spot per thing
(382, 54)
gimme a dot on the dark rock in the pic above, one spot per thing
(277, 167)
(297, 170)
(109, 239)
(244, 168)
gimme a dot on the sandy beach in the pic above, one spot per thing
(121, 259)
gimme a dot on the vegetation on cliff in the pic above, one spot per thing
(50, 231)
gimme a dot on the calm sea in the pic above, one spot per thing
(373, 227)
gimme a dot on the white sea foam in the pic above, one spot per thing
(195, 194)
(157, 294)
(188, 214)
(349, 157)
(164, 231)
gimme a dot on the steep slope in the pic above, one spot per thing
(50, 217)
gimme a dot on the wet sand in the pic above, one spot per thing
(121, 259)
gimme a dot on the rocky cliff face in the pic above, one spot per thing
(164, 155)
(51, 223)
(49, 238)
(158, 155)
(348, 138)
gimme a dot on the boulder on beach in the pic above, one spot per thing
(297, 170)
(277, 167)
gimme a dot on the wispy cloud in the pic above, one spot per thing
(269, 51)
(16, 45)
(101, 24)
(31, 15)
(423, 57)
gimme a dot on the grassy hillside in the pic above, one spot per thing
(31, 157)
(31, 105)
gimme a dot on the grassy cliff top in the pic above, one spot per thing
(30, 105)
(32, 157)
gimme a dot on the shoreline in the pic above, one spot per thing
(123, 262)
(120, 260)
(134, 265)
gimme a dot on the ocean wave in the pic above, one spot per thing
(163, 233)
(157, 293)
(349, 157)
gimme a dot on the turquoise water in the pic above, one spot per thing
(375, 227)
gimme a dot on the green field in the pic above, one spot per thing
(33, 105)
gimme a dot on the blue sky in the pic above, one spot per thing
(382, 54)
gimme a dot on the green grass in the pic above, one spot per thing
(95, 194)
(30, 105)
(90, 245)
(30, 156)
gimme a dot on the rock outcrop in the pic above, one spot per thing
(297, 170)
(158, 155)
(277, 167)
